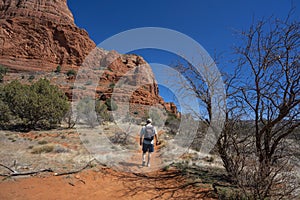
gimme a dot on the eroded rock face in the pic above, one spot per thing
(122, 77)
(38, 35)
(49, 10)
(126, 78)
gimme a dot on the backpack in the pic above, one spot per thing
(149, 133)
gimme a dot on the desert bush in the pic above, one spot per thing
(70, 118)
(40, 105)
(230, 194)
(86, 111)
(3, 71)
(58, 69)
(12, 139)
(172, 122)
(71, 72)
(42, 149)
(112, 85)
(5, 113)
(31, 77)
(102, 112)
(60, 149)
(111, 105)
(42, 142)
(121, 138)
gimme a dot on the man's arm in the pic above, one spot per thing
(141, 140)
(141, 136)
(156, 138)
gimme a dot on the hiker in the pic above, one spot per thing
(147, 135)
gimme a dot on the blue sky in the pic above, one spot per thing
(212, 23)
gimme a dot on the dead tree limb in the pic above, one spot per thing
(26, 173)
(76, 171)
(13, 171)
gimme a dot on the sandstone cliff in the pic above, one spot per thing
(39, 35)
(125, 74)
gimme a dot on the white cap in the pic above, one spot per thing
(149, 120)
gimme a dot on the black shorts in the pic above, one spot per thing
(148, 147)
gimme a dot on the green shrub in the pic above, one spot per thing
(111, 105)
(42, 142)
(58, 69)
(172, 122)
(42, 149)
(31, 77)
(112, 85)
(3, 71)
(71, 72)
(5, 113)
(230, 194)
(40, 105)
(166, 168)
(135, 112)
(12, 139)
(102, 112)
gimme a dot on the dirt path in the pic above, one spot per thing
(99, 183)
(134, 164)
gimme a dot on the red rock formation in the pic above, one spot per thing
(128, 78)
(38, 35)
(171, 107)
(45, 10)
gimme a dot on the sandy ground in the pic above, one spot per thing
(98, 182)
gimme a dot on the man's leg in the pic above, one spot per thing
(151, 149)
(144, 149)
(144, 158)
(149, 157)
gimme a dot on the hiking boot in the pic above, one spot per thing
(143, 163)
(148, 165)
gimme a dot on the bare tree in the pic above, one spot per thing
(262, 111)
(70, 119)
(197, 83)
(258, 157)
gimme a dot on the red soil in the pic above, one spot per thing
(102, 183)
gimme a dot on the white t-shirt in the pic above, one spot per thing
(148, 131)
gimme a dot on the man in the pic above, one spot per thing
(147, 135)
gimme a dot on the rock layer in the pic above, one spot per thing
(39, 35)
(45, 10)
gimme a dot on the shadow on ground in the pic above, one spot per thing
(190, 183)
